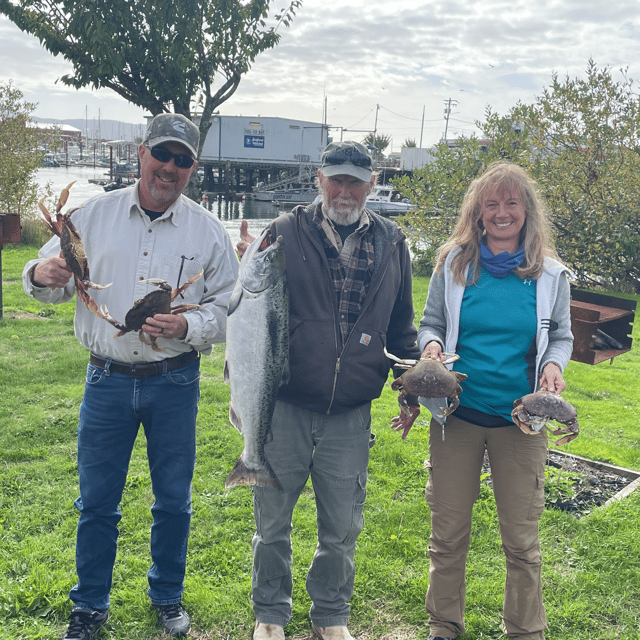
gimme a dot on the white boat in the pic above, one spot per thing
(304, 194)
(382, 200)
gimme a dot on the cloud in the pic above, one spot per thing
(380, 64)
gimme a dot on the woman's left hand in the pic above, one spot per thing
(551, 378)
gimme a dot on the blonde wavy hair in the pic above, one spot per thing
(535, 235)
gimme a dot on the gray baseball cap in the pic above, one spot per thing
(173, 127)
(347, 158)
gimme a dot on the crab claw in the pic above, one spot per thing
(64, 196)
(402, 364)
(54, 227)
(104, 313)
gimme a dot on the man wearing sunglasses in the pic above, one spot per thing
(148, 230)
(349, 278)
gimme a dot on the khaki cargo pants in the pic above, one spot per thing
(517, 467)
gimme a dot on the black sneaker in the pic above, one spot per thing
(84, 623)
(173, 618)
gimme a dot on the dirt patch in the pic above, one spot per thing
(577, 485)
(24, 315)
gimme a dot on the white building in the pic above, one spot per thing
(264, 141)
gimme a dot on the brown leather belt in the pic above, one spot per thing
(145, 369)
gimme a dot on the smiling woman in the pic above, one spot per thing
(500, 302)
(503, 216)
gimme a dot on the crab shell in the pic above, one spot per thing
(431, 379)
(158, 301)
(538, 408)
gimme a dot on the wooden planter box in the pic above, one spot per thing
(9, 228)
(592, 311)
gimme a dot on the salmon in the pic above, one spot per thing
(257, 357)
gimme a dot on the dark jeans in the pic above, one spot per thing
(112, 410)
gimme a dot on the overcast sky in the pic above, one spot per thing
(392, 59)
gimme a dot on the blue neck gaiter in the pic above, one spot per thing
(499, 266)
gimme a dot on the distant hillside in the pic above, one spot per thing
(108, 129)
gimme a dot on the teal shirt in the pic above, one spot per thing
(497, 328)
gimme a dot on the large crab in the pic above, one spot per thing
(532, 412)
(428, 378)
(158, 301)
(72, 249)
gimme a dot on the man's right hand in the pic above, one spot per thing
(52, 272)
(246, 239)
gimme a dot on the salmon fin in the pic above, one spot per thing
(241, 475)
(234, 418)
(234, 301)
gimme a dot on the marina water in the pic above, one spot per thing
(231, 214)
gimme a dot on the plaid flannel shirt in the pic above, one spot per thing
(351, 265)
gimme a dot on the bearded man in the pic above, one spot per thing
(349, 278)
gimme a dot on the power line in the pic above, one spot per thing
(359, 121)
(407, 117)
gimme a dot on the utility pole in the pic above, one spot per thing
(422, 127)
(447, 112)
(375, 127)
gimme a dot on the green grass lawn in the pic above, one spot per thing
(591, 565)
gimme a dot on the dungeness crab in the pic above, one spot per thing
(428, 378)
(532, 412)
(72, 249)
(158, 301)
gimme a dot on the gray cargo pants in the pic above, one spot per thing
(334, 451)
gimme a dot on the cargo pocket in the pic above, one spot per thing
(357, 518)
(537, 499)
(429, 492)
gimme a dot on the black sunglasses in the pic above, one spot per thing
(182, 160)
(355, 157)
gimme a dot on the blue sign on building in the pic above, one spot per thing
(254, 142)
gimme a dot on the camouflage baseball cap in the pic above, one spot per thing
(173, 127)
(347, 158)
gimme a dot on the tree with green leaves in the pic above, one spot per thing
(580, 140)
(20, 154)
(379, 141)
(410, 143)
(164, 56)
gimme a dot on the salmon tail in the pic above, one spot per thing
(241, 475)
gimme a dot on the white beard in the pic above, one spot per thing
(344, 213)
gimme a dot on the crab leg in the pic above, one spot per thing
(176, 292)
(54, 227)
(104, 313)
(407, 364)
(181, 308)
(89, 302)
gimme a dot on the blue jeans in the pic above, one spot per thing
(113, 407)
(334, 451)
